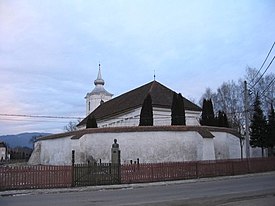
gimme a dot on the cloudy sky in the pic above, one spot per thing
(50, 50)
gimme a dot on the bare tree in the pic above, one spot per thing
(208, 94)
(229, 97)
(263, 85)
(71, 126)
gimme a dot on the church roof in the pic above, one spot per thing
(100, 90)
(161, 97)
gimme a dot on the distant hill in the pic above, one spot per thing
(20, 140)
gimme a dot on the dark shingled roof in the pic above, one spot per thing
(161, 97)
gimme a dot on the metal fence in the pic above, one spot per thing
(41, 176)
(96, 174)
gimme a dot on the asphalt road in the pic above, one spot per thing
(249, 190)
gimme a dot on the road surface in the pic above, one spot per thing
(249, 190)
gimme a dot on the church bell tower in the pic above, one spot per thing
(98, 96)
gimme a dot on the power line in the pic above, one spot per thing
(40, 116)
(160, 117)
(33, 121)
(268, 86)
(263, 72)
(263, 63)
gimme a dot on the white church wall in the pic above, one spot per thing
(126, 119)
(162, 116)
(148, 146)
(55, 151)
(192, 146)
(227, 146)
(234, 146)
(208, 149)
(93, 101)
(220, 145)
(79, 154)
(192, 118)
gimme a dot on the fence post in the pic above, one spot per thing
(233, 168)
(197, 170)
(248, 165)
(119, 168)
(73, 161)
(152, 172)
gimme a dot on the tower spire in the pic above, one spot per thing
(99, 80)
(98, 95)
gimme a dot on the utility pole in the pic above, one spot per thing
(247, 146)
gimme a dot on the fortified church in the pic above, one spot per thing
(124, 110)
(118, 118)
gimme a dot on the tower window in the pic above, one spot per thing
(89, 106)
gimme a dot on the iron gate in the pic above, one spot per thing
(96, 174)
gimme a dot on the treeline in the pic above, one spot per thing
(262, 129)
(229, 99)
(20, 153)
(208, 117)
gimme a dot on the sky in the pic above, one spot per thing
(50, 51)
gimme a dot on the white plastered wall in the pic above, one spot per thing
(208, 151)
(149, 147)
(52, 152)
(161, 116)
(226, 146)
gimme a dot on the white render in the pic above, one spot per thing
(148, 146)
(161, 117)
(226, 145)
(94, 100)
(208, 150)
(53, 152)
